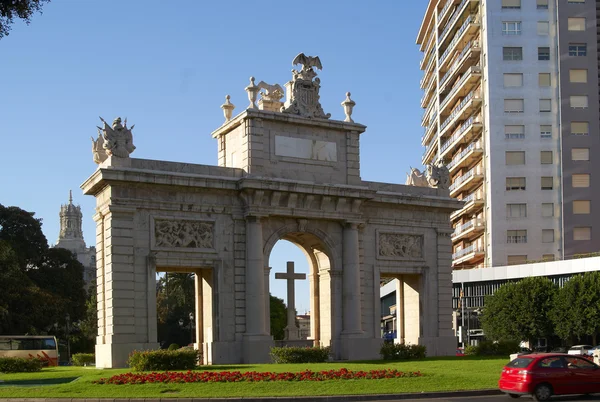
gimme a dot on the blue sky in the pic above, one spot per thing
(168, 66)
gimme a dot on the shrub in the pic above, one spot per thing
(402, 351)
(157, 360)
(489, 348)
(83, 359)
(19, 365)
(300, 355)
(173, 346)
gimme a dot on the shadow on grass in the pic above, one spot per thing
(430, 359)
(224, 367)
(37, 382)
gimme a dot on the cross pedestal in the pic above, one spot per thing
(292, 332)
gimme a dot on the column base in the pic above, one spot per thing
(353, 348)
(439, 345)
(115, 355)
(257, 348)
(221, 353)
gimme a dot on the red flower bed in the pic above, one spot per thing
(253, 376)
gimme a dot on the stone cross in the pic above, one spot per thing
(292, 332)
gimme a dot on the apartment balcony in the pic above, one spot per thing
(429, 55)
(470, 229)
(466, 157)
(426, 80)
(467, 182)
(461, 89)
(464, 134)
(445, 13)
(450, 29)
(428, 155)
(472, 203)
(429, 131)
(468, 57)
(468, 31)
(468, 255)
(427, 114)
(427, 97)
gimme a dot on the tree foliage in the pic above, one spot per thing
(175, 300)
(576, 312)
(11, 9)
(38, 285)
(520, 310)
(278, 317)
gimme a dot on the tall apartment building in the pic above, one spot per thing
(511, 107)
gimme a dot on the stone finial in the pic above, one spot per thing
(348, 105)
(227, 108)
(115, 141)
(252, 90)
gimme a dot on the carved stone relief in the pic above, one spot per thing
(400, 245)
(182, 233)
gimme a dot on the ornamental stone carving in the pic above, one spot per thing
(400, 245)
(303, 91)
(184, 234)
(113, 141)
(435, 175)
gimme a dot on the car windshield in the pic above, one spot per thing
(520, 362)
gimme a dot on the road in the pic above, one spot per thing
(500, 398)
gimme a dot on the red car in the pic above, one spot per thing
(545, 374)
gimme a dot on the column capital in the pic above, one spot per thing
(254, 218)
(354, 225)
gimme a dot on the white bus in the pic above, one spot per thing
(43, 347)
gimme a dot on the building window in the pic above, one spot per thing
(543, 53)
(576, 24)
(545, 105)
(578, 101)
(513, 80)
(516, 236)
(582, 233)
(577, 49)
(514, 132)
(511, 27)
(512, 53)
(516, 210)
(580, 154)
(546, 157)
(581, 207)
(547, 210)
(515, 158)
(543, 28)
(580, 128)
(580, 180)
(516, 259)
(547, 235)
(511, 3)
(545, 131)
(544, 79)
(578, 76)
(513, 105)
(542, 4)
(515, 183)
(547, 183)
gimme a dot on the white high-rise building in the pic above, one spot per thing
(511, 107)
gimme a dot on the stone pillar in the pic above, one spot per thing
(257, 342)
(198, 314)
(267, 300)
(400, 321)
(412, 311)
(351, 324)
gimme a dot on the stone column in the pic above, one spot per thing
(267, 301)
(255, 280)
(198, 310)
(351, 323)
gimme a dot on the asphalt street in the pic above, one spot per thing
(504, 398)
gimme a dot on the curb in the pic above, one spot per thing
(336, 398)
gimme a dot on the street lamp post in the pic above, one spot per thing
(191, 327)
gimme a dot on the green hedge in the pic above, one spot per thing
(20, 365)
(83, 359)
(155, 360)
(300, 355)
(489, 348)
(402, 351)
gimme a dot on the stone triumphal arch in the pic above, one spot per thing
(285, 171)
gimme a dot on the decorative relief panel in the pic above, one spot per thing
(183, 234)
(397, 245)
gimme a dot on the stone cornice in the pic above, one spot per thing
(287, 118)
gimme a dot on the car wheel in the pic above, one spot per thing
(514, 396)
(542, 392)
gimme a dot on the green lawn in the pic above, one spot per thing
(439, 374)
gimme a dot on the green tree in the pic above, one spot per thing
(175, 300)
(24, 234)
(278, 317)
(24, 9)
(576, 311)
(520, 310)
